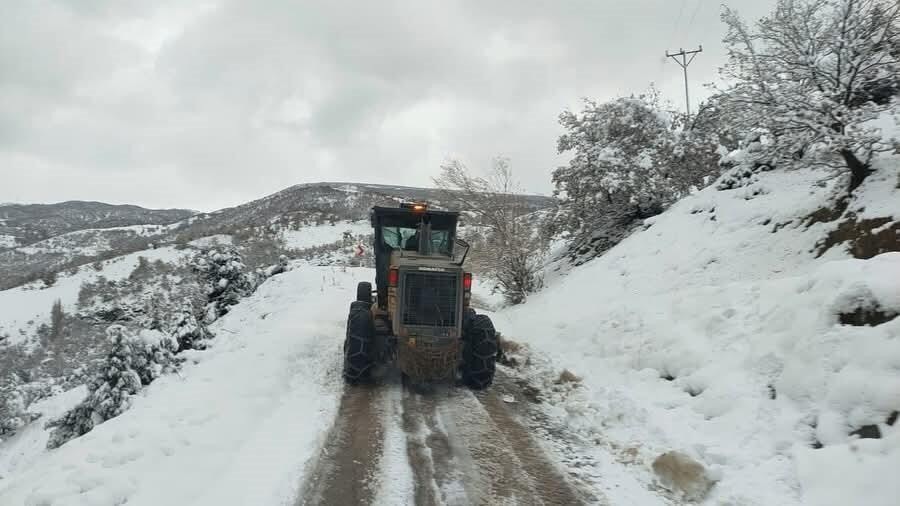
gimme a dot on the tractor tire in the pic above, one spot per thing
(479, 352)
(468, 314)
(358, 345)
(364, 292)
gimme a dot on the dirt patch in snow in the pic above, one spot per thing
(864, 238)
(870, 316)
(828, 213)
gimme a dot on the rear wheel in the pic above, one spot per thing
(364, 292)
(358, 356)
(480, 352)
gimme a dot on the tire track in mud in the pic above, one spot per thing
(470, 448)
(461, 448)
(542, 464)
(344, 472)
(434, 461)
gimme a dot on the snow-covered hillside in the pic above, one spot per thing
(236, 426)
(28, 223)
(717, 332)
(27, 307)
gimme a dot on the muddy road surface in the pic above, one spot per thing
(396, 444)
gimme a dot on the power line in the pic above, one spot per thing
(678, 19)
(662, 61)
(684, 62)
(687, 31)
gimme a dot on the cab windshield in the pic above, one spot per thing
(407, 239)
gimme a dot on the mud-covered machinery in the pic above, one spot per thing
(419, 319)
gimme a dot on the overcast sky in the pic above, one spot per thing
(206, 105)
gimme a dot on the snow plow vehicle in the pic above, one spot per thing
(419, 319)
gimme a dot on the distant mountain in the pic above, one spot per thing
(291, 208)
(318, 202)
(23, 224)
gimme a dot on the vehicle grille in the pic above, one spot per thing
(429, 299)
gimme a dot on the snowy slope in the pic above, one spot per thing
(715, 332)
(216, 434)
(92, 241)
(310, 236)
(28, 223)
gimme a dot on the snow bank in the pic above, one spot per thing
(716, 332)
(237, 426)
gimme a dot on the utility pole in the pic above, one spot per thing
(684, 62)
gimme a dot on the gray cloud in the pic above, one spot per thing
(161, 104)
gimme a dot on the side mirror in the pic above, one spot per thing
(460, 250)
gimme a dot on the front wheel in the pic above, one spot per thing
(358, 344)
(479, 352)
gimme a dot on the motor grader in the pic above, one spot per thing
(419, 319)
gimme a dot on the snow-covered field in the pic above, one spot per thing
(308, 237)
(237, 426)
(711, 335)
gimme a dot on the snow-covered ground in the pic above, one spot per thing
(29, 444)
(308, 237)
(237, 426)
(714, 332)
(710, 334)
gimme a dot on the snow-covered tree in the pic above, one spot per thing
(808, 79)
(630, 160)
(57, 320)
(227, 279)
(190, 333)
(13, 407)
(511, 250)
(49, 277)
(133, 362)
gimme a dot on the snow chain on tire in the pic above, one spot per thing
(358, 359)
(480, 352)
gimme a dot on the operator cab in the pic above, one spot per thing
(412, 230)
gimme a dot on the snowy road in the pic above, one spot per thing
(395, 444)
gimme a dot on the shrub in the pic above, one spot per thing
(133, 362)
